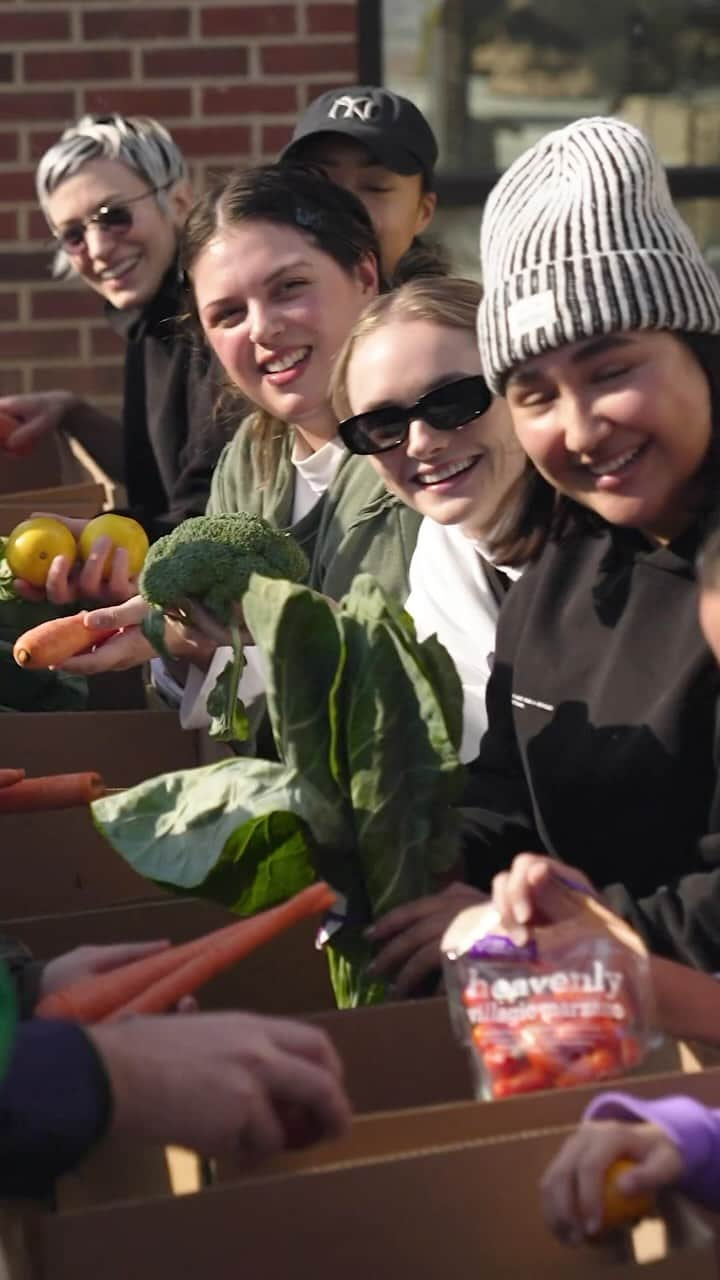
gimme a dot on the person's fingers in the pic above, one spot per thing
(90, 581)
(425, 961)
(291, 1079)
(401, 918)
(660, 1166)
(119, 653)
(307, 1042)
(261, 1133)
(500, 896)
(129, 613)
(198, 619)
(396, 953)
(27, 591)
(122, 953)
(75, 524)
(120, 586)
(59, 586)
(187, 1004)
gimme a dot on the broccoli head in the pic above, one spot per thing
(211, 558)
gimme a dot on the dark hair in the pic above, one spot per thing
(537, 513)
(293, 195)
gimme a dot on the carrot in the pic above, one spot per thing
(156, 983)
(54, 641)
(246, 936)
(57, 791)
(9, 776)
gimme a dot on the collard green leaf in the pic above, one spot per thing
(175, 828)
(265, 861)
(299, 637)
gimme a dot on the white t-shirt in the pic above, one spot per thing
(313, 477)
(450, 597)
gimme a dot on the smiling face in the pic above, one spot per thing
(276, 310)
(399, 209)
(454, 477)
(620, 424)
(126, 269)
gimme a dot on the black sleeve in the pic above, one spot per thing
(55, 1104)
(497, 813)
(208, 433)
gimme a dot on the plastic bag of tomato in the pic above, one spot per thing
(549, 1006)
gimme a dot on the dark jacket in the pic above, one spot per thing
(55, 1104)
(602, 739)
(171, 436)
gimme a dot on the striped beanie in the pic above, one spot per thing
(580, 237)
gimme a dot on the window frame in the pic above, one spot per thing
(687, 182)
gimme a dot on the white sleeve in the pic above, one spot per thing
(199, 684)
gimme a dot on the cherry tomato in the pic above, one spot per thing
(500, 1062)
(529, 1080)
(590, 1067)
(629, 1051)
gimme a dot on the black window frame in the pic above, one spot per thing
(687, 182)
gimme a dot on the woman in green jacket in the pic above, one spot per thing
(281, 263)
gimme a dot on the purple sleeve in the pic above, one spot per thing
(693, 1128)
(55, 1103)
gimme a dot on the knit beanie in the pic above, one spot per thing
(580, 237)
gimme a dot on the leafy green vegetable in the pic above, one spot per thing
(366, 723)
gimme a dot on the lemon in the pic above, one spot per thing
(123, 532)
(32, 546)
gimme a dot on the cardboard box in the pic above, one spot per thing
(55, 460)
(465, 1210)
(79, 500)
(288, 976)
(56, 862)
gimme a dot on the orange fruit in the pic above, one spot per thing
(32, 546)
(123, 532)
(618, 1209)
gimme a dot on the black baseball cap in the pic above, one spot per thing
(391, 127)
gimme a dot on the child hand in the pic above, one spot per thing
(572, 1187)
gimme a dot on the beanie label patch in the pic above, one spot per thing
(539, 311)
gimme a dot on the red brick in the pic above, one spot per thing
(274, 138)
(11, 382)
(8, 146)
(37, 25)
(213, 140)
(16, 184)
(229, 60)
(135, 24)
(304, 59)
(37, 228)
(249, 20)
(58, 303)
(86, 64)
(8, 227)
(8, 306)
(318, 87)
(24, 266)
(7, 66)
(28, 344)
(105, 342)
(40, 140)
(36, 106)
(250, 99)
(331, 19)
(84, 380)
(164, 104)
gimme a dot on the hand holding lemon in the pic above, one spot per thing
(66, 560)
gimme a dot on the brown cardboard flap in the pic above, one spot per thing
(85, 492)
(53, 462)
(471, 1209)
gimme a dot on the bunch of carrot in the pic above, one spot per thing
(53, 642)
(157, 983)
(19, 794)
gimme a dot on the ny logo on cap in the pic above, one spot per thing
(348, 108)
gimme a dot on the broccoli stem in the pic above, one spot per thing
(235, 671)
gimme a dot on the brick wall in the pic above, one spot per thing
(228, 80)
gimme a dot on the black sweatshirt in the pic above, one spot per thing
(172, 437)
(602, 740)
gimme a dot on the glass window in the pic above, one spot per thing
(494, 75)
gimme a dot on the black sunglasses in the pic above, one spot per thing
(117, 219)
(444, 409)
